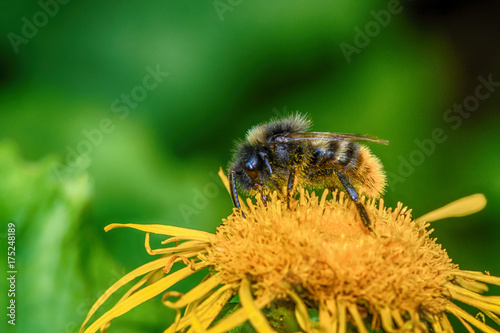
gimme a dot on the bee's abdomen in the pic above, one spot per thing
(339, 154)
(363, 169)
(367, 173)
(347, 154)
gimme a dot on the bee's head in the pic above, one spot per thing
(252, 165)
(255, 161)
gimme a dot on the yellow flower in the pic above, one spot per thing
(315, 258)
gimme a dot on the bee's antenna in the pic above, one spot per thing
(266, 161)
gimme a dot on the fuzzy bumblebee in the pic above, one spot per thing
(281, 154)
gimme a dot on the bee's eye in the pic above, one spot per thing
(252, 164)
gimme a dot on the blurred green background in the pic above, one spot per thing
(124, 112)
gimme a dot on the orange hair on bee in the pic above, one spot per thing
(370, 176)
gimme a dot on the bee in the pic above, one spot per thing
(281, 154)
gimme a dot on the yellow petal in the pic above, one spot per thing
(478, 276)
(342, 315)
(301, 312)
(445, 322)
(489, 303)
(492, 316)
(436, 325)
(224, 179)
(466, 325)
(461, 207)
(386, 318)
(196, 293)
(139, 284)
(257, 318)
(461, 314)
(213, 307)
(207, 311)
(494, 300)
(144, 269)
(143, 295)
(190, 234)
(471, 285)
(358, 321)
(196, 325)
(237, 318)
(185, 246)
(327, 321)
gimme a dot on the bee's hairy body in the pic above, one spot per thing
(283, 155)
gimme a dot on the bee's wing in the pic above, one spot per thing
(331, 136)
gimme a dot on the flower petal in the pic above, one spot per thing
(461, 314)
(301, 312)
(492, 316)
(342, 317)
(327, 321)
(144, 269)
(257, 318)
(143, 295)
(478, 276)
(475, 286)
(196, 293)
(461, 207)
(237, 318)
(386, 318)
(185, 246)
(478, 301)
(358, 321)
(190, 234)
(207, 311)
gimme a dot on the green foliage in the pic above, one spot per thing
(47, 215)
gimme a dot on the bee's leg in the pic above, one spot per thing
(262, 194)
(234, 191)
(354, 197)
(290, 187)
